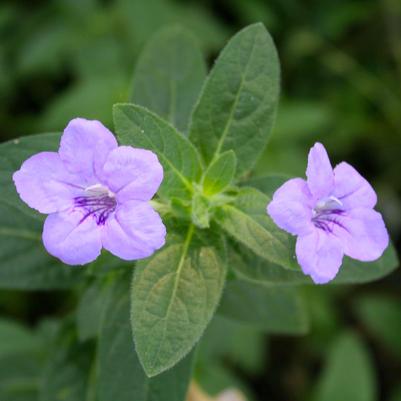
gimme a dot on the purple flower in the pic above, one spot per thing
(332, 215)
(96, 194)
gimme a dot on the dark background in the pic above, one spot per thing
(341, 85)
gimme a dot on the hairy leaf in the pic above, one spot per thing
(247, 222)
(220, 173)
(138, 127)
(174, 296)
(238, 103)
(121, 376)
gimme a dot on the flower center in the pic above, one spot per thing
(325, 213)
(97, 201)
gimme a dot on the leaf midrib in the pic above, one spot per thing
(175, 287)
(249, 218)
(233, 108)
(186, 183)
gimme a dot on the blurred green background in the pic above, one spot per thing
(341, 85)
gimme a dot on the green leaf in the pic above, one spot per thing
(22, 355)
(90, 309)
(20, 377)
(271, 309)
(220, 173)
(246, 220)
(251, 268)
(90, 98)
(256, 270)
(267, 184)
(174, 295)
(382, 317)
(136, 126)
(244, 347)
(349, 374)
(120, 374)
(67, 374)
(142, 19)
(169, 75)
(238, 103)
(354, 271)
(200, 211)
(15, 338)
(24, 262)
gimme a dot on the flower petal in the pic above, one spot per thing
(70, 239)
(44, 184)
(320, 255)
(84, 147)
(363, 234)
(352, 189)
(319, 172)
(291, 207)
(135, 231)
(133, 174)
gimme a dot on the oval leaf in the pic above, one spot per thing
(238, 103)
(138, 127)
(247, 222)
(174, 296)
(220, 173)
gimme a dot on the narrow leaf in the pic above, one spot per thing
(247, 222)
(238, 103)
(169, 75)
(174, 296)
(220, 173)
(138, 127)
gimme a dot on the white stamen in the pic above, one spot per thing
(328, 203)
(99, 190)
